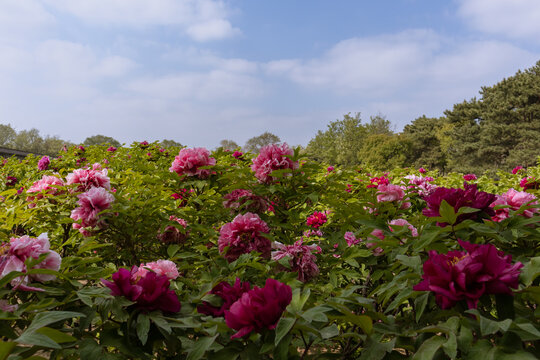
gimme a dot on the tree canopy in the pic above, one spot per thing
(256, 143)
(101, 140)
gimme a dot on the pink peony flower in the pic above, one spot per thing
(270, 158)
(460, 275)
(91, 203)
(515, 199)
(390, 192)
(244, 235)
(229, 295)
(300, 257)
(189, 162)
(317, 219)
(351, 239)
(47, 185)
(375, 234)
(89, 178)
(422, 170)
(377, 181)
(149, 292)
(259, 308)
(403, 222)
(526, 183)
(469, 177)
(330, 169)
(160, 267)
(22, 248)
(244, 199)
(111, 149)
(420, 185)
(43, 163)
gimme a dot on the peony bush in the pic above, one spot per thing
(142, 252)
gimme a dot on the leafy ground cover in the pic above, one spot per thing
(145, 253)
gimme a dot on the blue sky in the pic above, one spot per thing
(200, 71)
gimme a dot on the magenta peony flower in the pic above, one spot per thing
(515, 199)
(469, 177)
(11, 181)
(111, 149)
(91, 203)
(237, 154)
(422, 170)
(242, 236)
(149, 292)
(19, 250)
(258, 309)
(89, 178)
(517, 169)
(330, 169)
(244, 199)
(43, 163)
(272, 157)
(229, 294)
(457, 198)
(144, 144)
(317, 219)
(189, 162)
(526, 183)
(300, 257)
(459, 275)
(172, 234)
(377, 181)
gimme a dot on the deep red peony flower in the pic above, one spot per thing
(259, 308)
(150, 292)
(228, 293)
(317, 219)
(244, 199)
(459, 275)
(244, 235)
(458, 198)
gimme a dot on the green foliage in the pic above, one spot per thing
(101, 140)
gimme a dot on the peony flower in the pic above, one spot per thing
(160, 267)
(390, 192)
(244, 199)
(111, 149)
(351, 239)
(172, 235)
(11, 181)
(469, 177)
(237, 154)
(22, 248)
(377, 181)
(89, 178)
(420, 185)
(458, 198)
(258, 309)
(330, 169)
(149, 292)
(317, 219)
(272, 157)
(300, 257)
(244, 235)
(375, 234)
(526, 183)
(91, 203)
(467, 275)
(422, 170)
(47, 184)
(189, 162)
(43, 163)
(229, 295)
(517, 169)
(403, 222)
(515, 199)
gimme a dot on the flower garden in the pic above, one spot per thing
(148, 253)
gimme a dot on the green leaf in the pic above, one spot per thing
(281, 351)
(530, 271)
(450, 346)
(143, 327)
(160, 322)
(283, 327)
(375, 350)
(427, 350)
(33, 338)
(526, 331)
(49, 317)
(329, 331)
(420, 305)
(299, 299)
(172, 250)
(5, 349)
(447, 213)
(316, 314)
(90, 350)
(414, 262)
(56, 335)
(200, 346)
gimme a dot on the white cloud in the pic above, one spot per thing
(203, 20)
(21, 18)
(518, 19)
